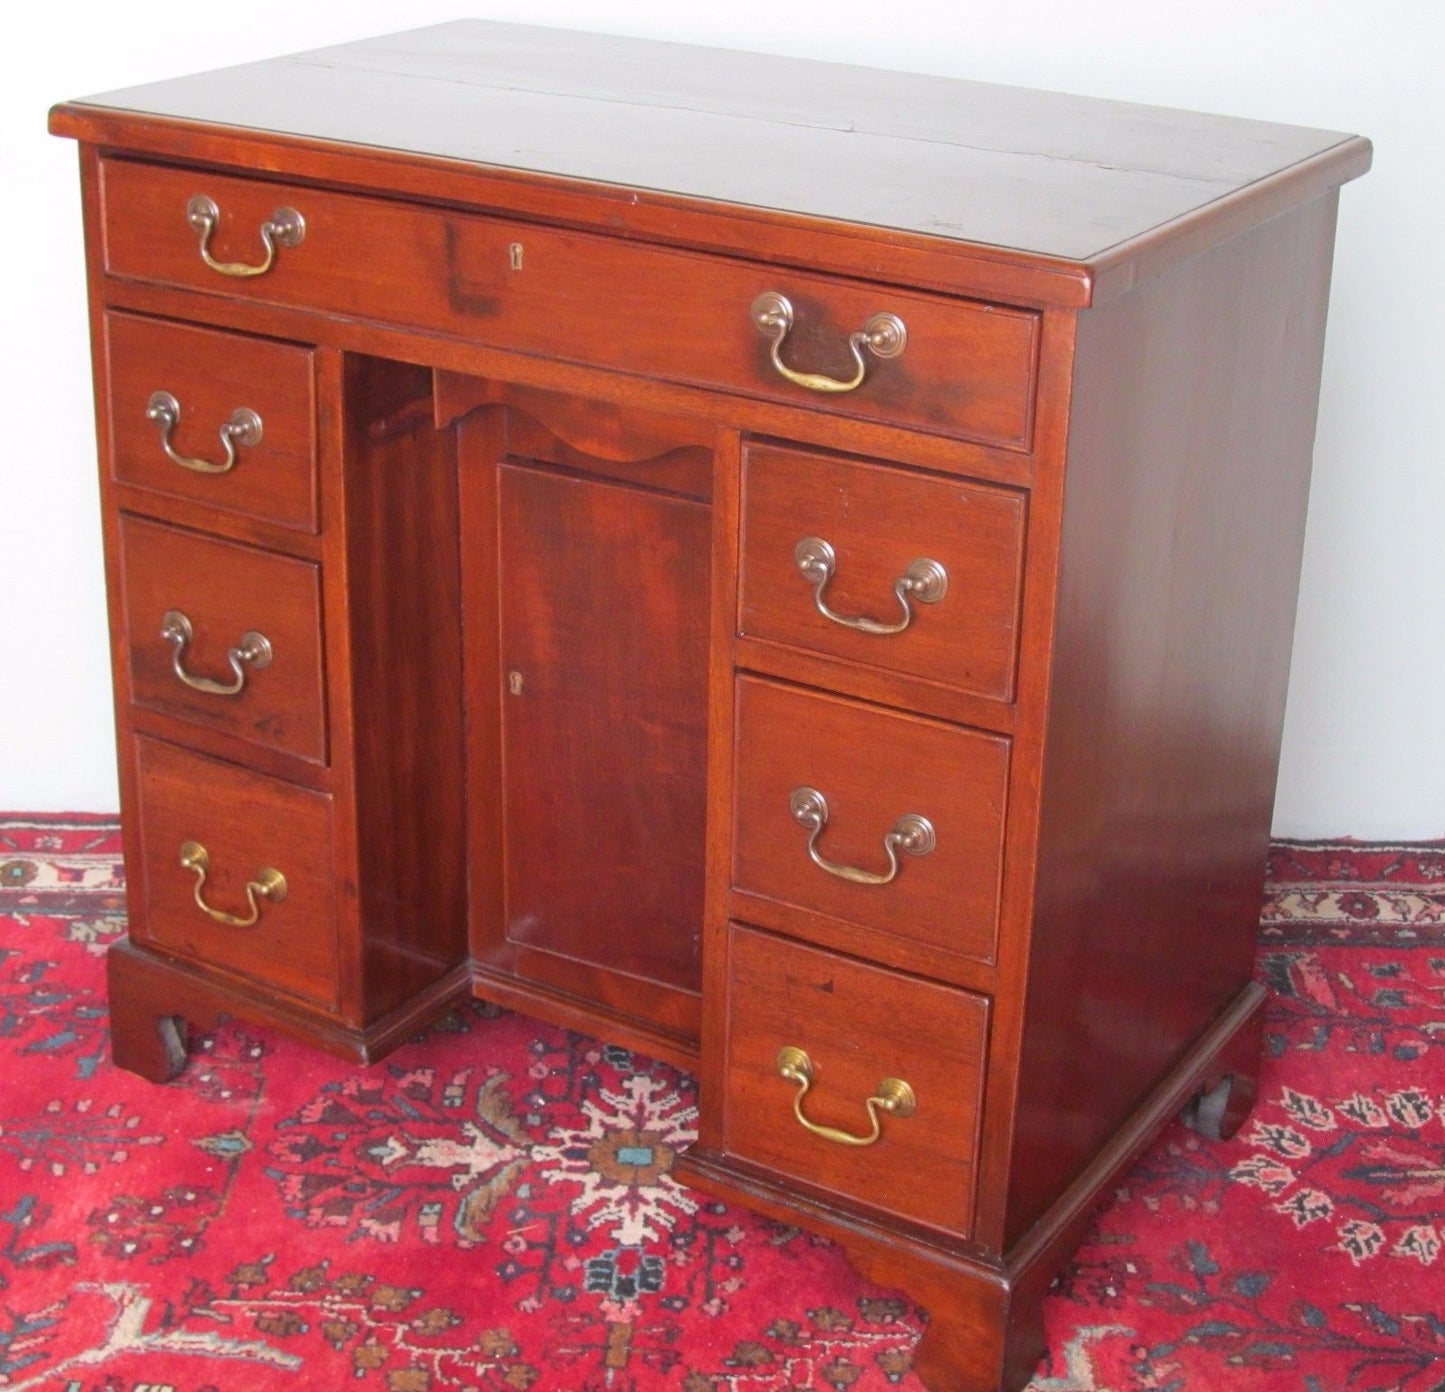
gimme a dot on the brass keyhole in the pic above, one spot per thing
(515, 253)
(514, 683)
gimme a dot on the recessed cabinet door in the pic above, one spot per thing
(604, 657)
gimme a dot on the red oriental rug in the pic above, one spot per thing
(491, 1207)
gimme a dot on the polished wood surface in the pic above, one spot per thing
(1158, 795)
(859, 1025)
(398, 581)
(527, 504)
(873, 766)
(601, 439)
(1069, 177)
(150, 1038)
(879, 521)
(247, 824)
(226, 591)
(583, 298)
(211, 375)
(603, 745)
(584, 527)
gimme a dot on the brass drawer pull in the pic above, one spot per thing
(894, 1096)
(243, 428)
(253, 652)
(285, 228)
(269, 885)
(925, 581)
(884, 335)
(911, 834)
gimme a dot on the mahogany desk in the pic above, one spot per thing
(784, 566)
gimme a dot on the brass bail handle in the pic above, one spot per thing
(894, 1097)
(884, 336)
(269, 885)
(242, 427)
(284, 228)
(925, 581)
(252, 653)
(911, 834)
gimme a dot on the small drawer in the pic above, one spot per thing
(832, 793)
(959, 368)
(877, 565)
(237, 871)
(214, 418)
(852, 1033)
(225, 636)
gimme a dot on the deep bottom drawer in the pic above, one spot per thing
(864, 1030)
(236, 831)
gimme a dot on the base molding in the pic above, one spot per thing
(558, 1008)
(985, 1331)
(154, 998)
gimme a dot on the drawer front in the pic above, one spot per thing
(936, 563)
(966, 368)
(877, 772)
(237, 830)
(244, 626)
(213, 378)
(863, 1031)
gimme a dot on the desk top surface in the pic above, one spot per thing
(1058, 176)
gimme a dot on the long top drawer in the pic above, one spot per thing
(959, 367)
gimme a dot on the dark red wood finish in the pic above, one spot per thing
(1183, 518)
(402, 583)
(873, 767)
(210, 375)
(526, 505)
(879, 521)
(226, 591)
(247, 824)
(603, 744)
(585, 528)
(860, 1025)
(636, 309)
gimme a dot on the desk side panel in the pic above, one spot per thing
(1184, 506)
(405, 671)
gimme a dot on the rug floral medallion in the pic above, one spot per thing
(493, 1206)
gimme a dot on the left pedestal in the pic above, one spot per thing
(284, 594)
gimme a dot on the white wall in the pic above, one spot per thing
(1364, 748)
